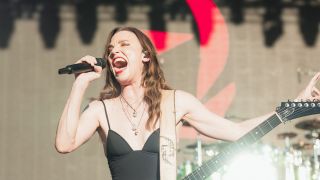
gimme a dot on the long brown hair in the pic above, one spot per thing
(152, 77)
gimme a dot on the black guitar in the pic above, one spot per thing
(285, 112)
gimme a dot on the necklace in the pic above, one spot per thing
(134, 127)
(134, 113)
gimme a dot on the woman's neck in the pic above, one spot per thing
(132, 92)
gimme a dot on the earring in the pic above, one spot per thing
(145, 52)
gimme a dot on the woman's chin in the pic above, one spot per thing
(123, 79)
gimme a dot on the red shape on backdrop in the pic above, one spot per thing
(159, 39)
(202, 12)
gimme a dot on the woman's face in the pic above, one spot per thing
(126, 57)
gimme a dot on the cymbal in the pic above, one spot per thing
(185, 151)
(195, 145)
(302, 146)
(287, 135)
(217, 145)
(308, 125)
(313, 135)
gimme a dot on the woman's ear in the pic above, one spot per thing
(145, 56)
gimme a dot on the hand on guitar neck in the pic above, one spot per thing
(311, 92)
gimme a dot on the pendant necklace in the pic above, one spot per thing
(134, 127)
(134, 113)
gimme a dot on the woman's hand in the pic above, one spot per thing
(89, 76)
(310, 93)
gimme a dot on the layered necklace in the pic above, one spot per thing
(134, 127)
(134, 110)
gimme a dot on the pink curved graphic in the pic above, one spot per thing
(214, 43)
(222, 101)
(214, 47)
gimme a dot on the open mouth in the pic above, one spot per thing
(119, 64)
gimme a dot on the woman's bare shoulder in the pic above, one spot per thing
(179, 94)
(98, 105)
(99, 109)
(170, 91)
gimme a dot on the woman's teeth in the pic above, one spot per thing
(119, 63)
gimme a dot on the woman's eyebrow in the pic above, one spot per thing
(121, 41)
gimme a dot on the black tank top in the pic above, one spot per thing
(128, 164)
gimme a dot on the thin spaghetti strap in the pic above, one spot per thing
(105, 110)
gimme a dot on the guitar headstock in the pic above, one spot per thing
(292, 110)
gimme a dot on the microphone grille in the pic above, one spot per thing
(101, 62)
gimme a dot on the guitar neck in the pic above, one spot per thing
(214, 164)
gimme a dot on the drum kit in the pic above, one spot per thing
(295, 161)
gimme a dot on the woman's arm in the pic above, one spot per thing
(73, 129)
(212, 125)
(209, 123)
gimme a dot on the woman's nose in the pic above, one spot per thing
(113, 52)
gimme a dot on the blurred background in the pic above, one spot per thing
(241, 58)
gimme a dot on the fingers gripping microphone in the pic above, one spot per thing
(82, 67)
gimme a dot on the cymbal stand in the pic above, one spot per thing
(289, 160)
(316, 153)
(199, 151)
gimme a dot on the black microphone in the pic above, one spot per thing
(82, 67)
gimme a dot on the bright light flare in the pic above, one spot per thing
(251, 167)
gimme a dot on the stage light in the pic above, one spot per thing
(121, 11)
(178, 9)
(156, 15)
(236, 11)
(6, 24)
(87, 21)
(158, 24)
(25, 9)
(309, 23)
(272, 22)
(49, 23)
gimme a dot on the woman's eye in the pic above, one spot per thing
(125, 44)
